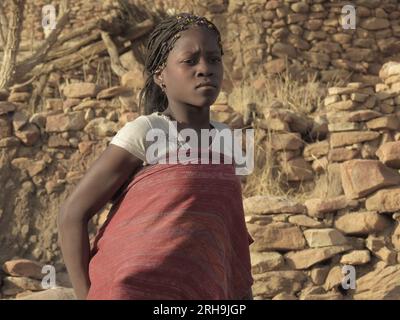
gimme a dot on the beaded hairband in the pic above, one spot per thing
(192, 19)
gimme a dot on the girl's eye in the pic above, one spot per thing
(214, 59)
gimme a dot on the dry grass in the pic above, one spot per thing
(301, 97)
(267, 178)
(305, 97)
(104, 73)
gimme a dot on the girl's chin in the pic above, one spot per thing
(202, 106)
(205, 103)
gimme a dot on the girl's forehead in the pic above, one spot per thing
(193, 39)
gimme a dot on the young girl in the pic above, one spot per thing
(175, 231)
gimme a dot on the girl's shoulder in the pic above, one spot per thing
(158, 119)
(141, 124)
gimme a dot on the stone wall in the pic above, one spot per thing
(301, 247)
(304, 36)
(81, 12)
(310, 35)
(346, 151)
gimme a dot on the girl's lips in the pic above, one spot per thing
(207, 87)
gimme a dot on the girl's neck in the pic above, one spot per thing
(190, 117)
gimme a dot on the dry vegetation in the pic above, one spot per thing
(303, 97)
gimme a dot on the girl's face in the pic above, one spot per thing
(194, 59)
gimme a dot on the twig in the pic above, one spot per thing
(37, 91)
(62, 51)
(28, 64)
(112, 50)
(20, 85)
(7, 69)
(96, 48)
(3, 26)
(78, 32)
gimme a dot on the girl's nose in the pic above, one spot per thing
(204, 68)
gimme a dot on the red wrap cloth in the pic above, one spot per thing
(176, 232)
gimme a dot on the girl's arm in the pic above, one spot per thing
(94, 190)
(249, 295)
(74, 242)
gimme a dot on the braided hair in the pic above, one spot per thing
(160, 43)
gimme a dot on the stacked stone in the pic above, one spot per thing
(283, 136)
(23, 280)
(300, 249)
(15, 127)
(311, 34)
(86, 107)
(221, 111)
(359, 121)
(81, 13)
(353, 126)
(355, 123)
(73, 125)
(389, 91)
(82, 120)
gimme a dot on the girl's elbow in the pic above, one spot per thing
(67, 216)
(62, 220)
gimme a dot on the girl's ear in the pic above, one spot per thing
(157, 77)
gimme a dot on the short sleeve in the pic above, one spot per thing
(132, 137)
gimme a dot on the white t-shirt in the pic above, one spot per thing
(132, 136)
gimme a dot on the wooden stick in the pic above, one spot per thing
(37, 91)
(88, 52)
(67, 49)
(20, 85)
(3, 26)
(7, 69)
(78, 32)
(69, 61)
(112, 50)
(28, 64)
(139, 30)
(24, 46)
